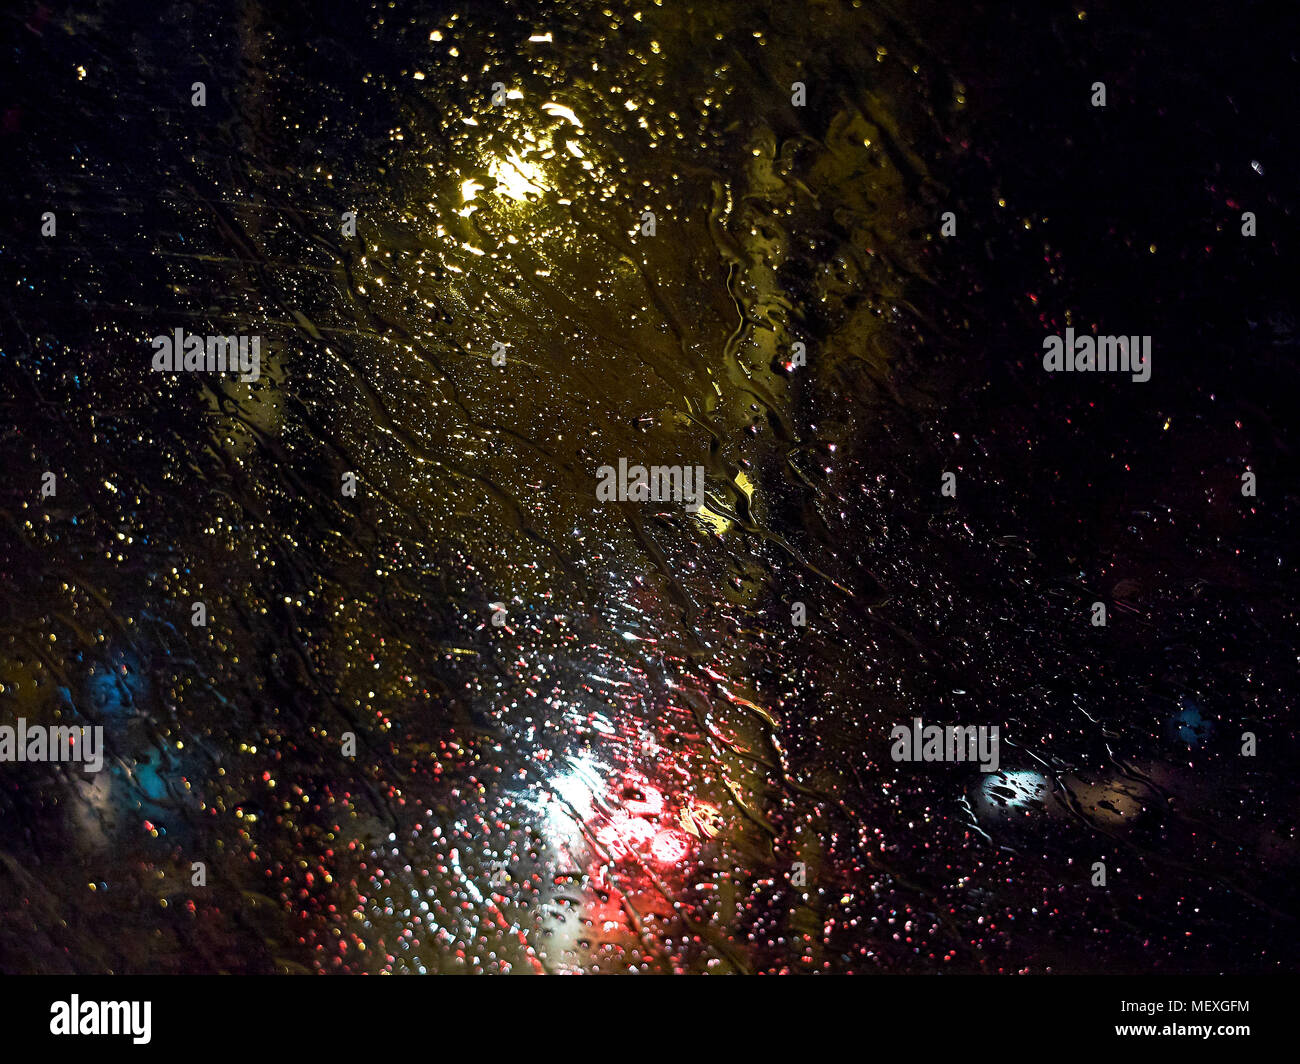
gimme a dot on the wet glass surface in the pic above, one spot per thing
(589, 736)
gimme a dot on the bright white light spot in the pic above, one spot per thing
(562, 111)
(516, 176)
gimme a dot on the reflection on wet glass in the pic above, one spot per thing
(588, 736)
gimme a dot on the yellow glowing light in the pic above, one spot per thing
(468, 190)
(562, 111)
(516, 176)
(713, 520)
(719, 522)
